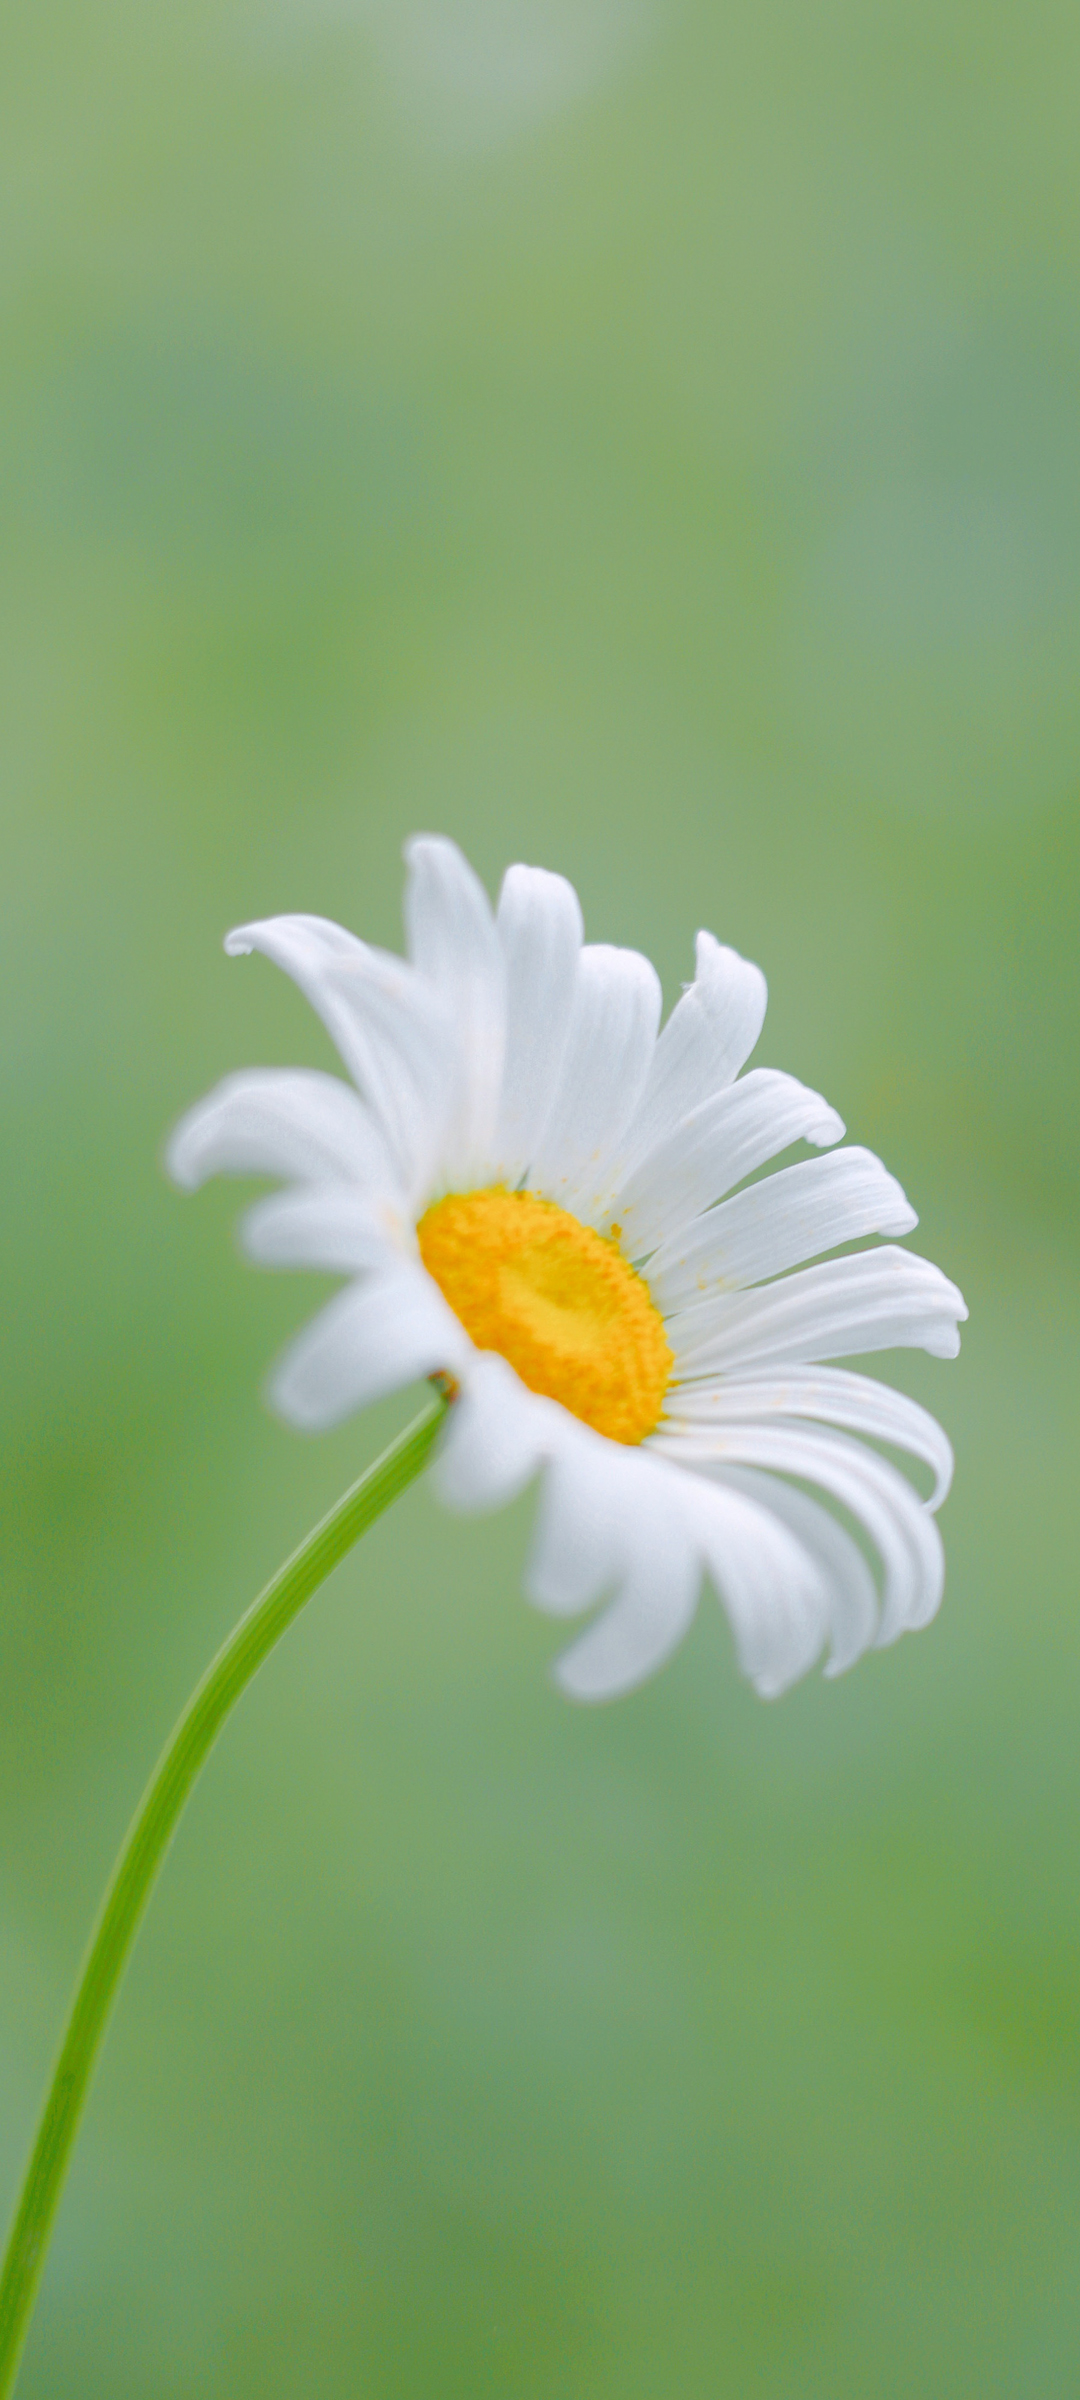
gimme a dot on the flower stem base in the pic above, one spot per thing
(147, 1840)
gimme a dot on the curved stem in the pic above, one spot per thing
(147, 1840)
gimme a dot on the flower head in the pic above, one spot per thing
(537, 1194)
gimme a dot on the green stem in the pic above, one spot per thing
(147, 1840)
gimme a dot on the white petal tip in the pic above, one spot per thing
(238, 944)
(297, 1407)
(582, 1687)
(179, 1169)
(712, 957)
(184, 1155)
(828, 1128)
(430, 845)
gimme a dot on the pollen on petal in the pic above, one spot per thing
(557, 1300)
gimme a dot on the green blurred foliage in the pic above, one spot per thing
(643, 440)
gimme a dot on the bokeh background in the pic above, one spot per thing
(643, 439)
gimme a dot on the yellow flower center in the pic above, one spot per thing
(557, 1300)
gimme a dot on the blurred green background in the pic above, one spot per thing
(644, 440)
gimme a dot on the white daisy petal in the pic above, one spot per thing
(494, 1439)
(612, 1518)
(708, 1037)
(777, 1223)
(882, 1299)
(368, 1341)
(832, 1394)
(454, 945)
(578, 1548)
(899, 1524)
(610, 1045)
(773, 1593)
(331, 1227)
(393, 1031)
(310, 950)
(728, 1137)
(852, 1594)
(539, 922)
(273, 1121)
(654, 1608)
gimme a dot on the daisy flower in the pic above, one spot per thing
(538, 1196)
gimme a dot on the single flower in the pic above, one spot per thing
(538, 1195)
